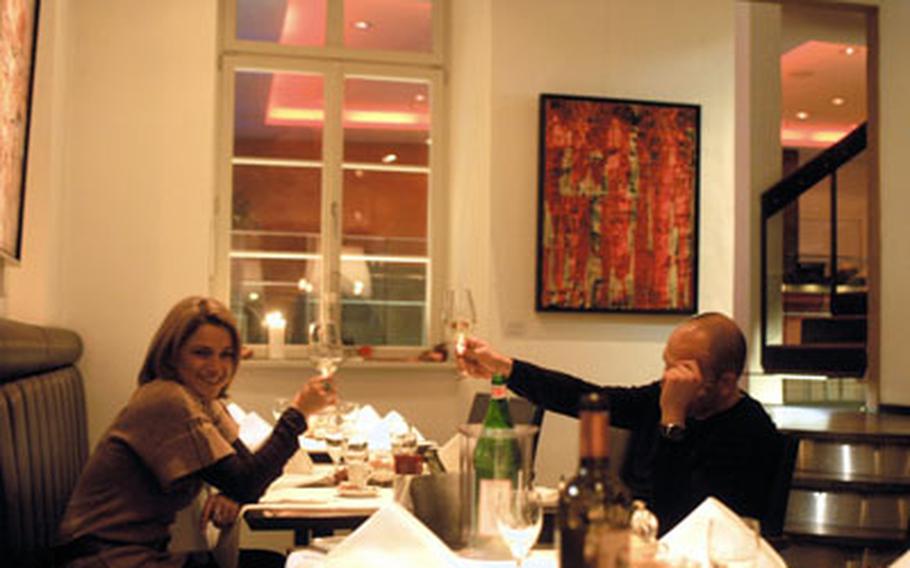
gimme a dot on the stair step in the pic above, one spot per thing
(842, 537)
(840, 483)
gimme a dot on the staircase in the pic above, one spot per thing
(814, 306)
(850, 494)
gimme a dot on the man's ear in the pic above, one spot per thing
(729, 379)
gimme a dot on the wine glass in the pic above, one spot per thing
(458, 316)
(326, 349)
(335, 442)
(519, 517)
(731, 544)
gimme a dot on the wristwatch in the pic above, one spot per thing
(673, 432)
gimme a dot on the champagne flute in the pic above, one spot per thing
(458, 316)
(519, 517)
(326, 349)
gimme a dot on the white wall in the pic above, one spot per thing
(894, 143)
(118, 225)
(586, 47)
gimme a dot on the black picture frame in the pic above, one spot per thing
(618, 205)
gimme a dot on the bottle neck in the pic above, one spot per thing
(498, 388)
(594, 439)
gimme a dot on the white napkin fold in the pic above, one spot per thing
(450, 453)
(254, 430)
(689, 538)
(391, 537)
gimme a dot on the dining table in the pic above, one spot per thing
(311, 505)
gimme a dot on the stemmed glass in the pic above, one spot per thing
(519, 517)
(326, 349)
(458, 316)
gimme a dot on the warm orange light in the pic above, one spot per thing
(381, 117)
(352, 118)
(287, 114)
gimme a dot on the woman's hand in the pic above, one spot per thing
(220, 510)
(479, 360)
(317, 393)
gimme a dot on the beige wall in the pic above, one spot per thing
(585, 47)
(119, 224)
(894, 143)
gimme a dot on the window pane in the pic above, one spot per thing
(385, 198)
(278, 115)
(289, 22)
(260, 286)
(383, 303)
(398, 25)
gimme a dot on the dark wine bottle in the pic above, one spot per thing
(593, 514)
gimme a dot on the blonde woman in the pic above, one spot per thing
(173, 435)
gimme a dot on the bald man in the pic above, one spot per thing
(694, 433)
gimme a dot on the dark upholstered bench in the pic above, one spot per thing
(43, 437)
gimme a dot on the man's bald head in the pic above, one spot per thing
(725, 341)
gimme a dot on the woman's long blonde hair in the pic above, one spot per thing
(180, 323)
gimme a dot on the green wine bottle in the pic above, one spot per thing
(497, 457)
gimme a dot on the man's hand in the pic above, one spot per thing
(682, 384)
(479, 360)
(221, 511)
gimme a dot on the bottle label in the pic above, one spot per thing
(498, 391)
(489, 492)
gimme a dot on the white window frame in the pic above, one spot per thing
(335, 63)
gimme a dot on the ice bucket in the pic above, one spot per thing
(478, 494)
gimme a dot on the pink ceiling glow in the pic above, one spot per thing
(813, 74)
(296, 99)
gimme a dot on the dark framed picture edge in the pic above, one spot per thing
(541, 172)
(15, 256)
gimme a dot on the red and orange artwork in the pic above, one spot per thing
(618, 210)
(18, 24)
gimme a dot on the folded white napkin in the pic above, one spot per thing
(450, 454)
(391, 537)
(300, 462)
(254, 430)
(689, 538)
(903, 561)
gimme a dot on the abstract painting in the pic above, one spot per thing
(618, 206)
(18, 32)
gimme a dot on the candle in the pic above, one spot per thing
(276, 323)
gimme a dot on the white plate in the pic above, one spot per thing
(350, 491)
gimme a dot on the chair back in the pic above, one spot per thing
(772, 524)
(522, 410)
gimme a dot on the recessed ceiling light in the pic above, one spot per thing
(362, 25)
(389, 158)
(420, 97)
(253, 296)
(838, 101)
(849, 50)
(802, 115)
